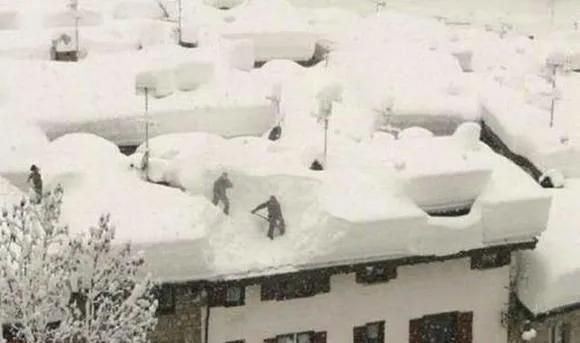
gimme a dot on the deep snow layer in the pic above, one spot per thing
(367, 204)
(550, 274)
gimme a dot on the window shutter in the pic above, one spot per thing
(382, 332)
(464, 327)
(415, 331)
(319, 337)
(359, 334)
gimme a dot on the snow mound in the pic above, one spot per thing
(172, 156)
(142, 213)
(240, 53)
(415, 132)
(138, 9)
(9, 20)
(20, 140)
(69, 19)
(223, 4)
(189, 76)
(551, 273)
(9, 194)
(81, 153)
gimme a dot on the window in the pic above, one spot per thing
(300, 337)
(165, 299)
(487, 260)
(451, 327)
(370, 333)
(560, 333)
(227, 294)
(234, 295)
(375, 274)
(295, 286)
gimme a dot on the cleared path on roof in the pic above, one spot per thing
(130, 130)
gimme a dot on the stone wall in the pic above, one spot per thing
(184, 325)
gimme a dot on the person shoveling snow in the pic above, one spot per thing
(220, 187)
(35, 181)
(274, 218)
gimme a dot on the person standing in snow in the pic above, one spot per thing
(220, 187)
(275, 218)
(35, 180)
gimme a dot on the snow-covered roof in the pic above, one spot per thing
(550, 274)
(369, 203)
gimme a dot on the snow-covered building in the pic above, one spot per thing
(352, 257)
(547, 283)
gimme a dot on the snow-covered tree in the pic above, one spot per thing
(112, 302)
(55, 287)
(35, 266)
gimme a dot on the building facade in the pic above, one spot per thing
(458, 299)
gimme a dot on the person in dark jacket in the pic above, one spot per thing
(35, 180)
(220, 187)
(275, 218)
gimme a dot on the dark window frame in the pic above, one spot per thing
(237, 341)
(315, 336)
(376, 273)
(361, 333)
(165, 295)
(294, 287)
(218, 295)
(241, 296)
(463, 327)
(490, 259)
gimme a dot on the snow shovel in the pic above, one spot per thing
(280, 228)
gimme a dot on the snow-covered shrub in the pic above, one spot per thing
(55, 287)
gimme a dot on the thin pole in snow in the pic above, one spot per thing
(325, 140)
(179, 21)
(552, 13)
(147, 133)
(77, 46)
(553, 103)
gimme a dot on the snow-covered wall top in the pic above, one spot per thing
(550, 274)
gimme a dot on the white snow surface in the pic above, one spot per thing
(551, 273)
(394, 68)
(361, 207)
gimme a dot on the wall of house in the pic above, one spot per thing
(184, 325)
(418, 290)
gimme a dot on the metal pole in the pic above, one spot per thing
(77, 47)
(552, 13)
(147, 133)
(553, 103)
(179, 20)
(325, 140)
